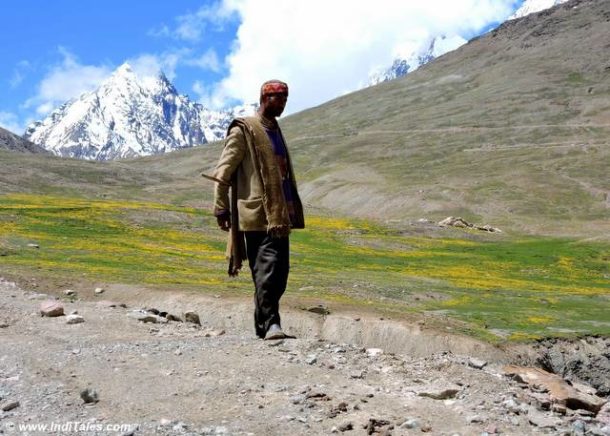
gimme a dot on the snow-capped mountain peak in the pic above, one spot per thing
(128, 116)
(531, 6)
(409, 60)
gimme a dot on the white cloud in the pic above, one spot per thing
(16, 79)
(326, 48)
(10, 121)
(162, 31)
(191, 27)
(69, 79)
(149, 65)
(19, 73)
(207, 61)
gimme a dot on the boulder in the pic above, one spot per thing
(559, 391)
(192, 317)
(51, 308)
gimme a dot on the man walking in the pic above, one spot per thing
(264, 204)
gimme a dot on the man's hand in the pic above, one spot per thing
(224, 221)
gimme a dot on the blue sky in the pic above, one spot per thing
(218, 52)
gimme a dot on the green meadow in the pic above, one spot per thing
(495, 286)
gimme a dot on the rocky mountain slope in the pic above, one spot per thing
(13, 142)
(129, 116)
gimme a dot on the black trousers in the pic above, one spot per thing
(269, 262)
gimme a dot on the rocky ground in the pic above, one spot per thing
(112, 368)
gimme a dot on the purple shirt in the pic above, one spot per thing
(281, 155)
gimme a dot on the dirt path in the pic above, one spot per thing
(217, 378)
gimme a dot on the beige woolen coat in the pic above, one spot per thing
(242, 161)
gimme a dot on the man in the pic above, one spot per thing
(264, 204)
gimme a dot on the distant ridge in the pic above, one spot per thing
(14, 142)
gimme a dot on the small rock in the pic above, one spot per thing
(511, 405)
(214, 333)
(318, 396)
(441, 393)
(339, 408)
(146, 317)
(476, 363)
(346, 426)
(578, 427)
(33, 245)
(69, 293)
(374, 352)
(74, 319)
(99, 291)
(10, 406)
(178, 352)
(89, 396)
(311, 359)
(297, 399)
(164, 422)
(373, 424)
(51, 308)
(410, 423)
(320, 310)
(180, 427)
(172, 317)
(474, 419)
(110, 304)
(543, 421)
(492, 429)
(357, 374)
(192, 317)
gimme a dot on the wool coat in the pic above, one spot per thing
(240, 164)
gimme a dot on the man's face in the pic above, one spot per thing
(274, 103)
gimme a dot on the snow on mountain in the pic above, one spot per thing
(531, 6)
(410, 60)
(128, 116)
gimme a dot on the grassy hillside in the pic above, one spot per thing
(510, 129)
